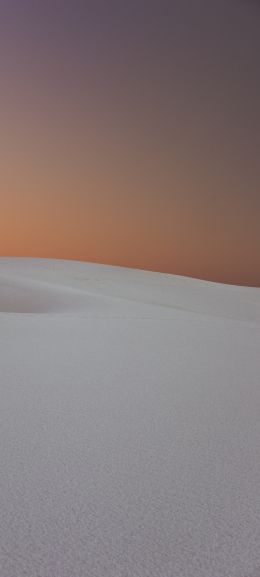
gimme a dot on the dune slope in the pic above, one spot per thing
(129, 423)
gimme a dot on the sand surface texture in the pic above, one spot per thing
(129, 423)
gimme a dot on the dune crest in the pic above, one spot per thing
(49, 286)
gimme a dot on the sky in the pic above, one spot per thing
(130, 134)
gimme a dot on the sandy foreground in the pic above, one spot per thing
(129, 423)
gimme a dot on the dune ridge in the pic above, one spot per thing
(41, 285)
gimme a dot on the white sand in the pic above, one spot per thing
(129, 423)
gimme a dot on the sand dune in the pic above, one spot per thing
(57, 285)
(20, 295)
(129, 423)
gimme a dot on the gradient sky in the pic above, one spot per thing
(130, 134)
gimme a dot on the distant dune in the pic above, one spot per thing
(129, 423)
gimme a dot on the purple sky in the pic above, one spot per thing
(130, 134)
